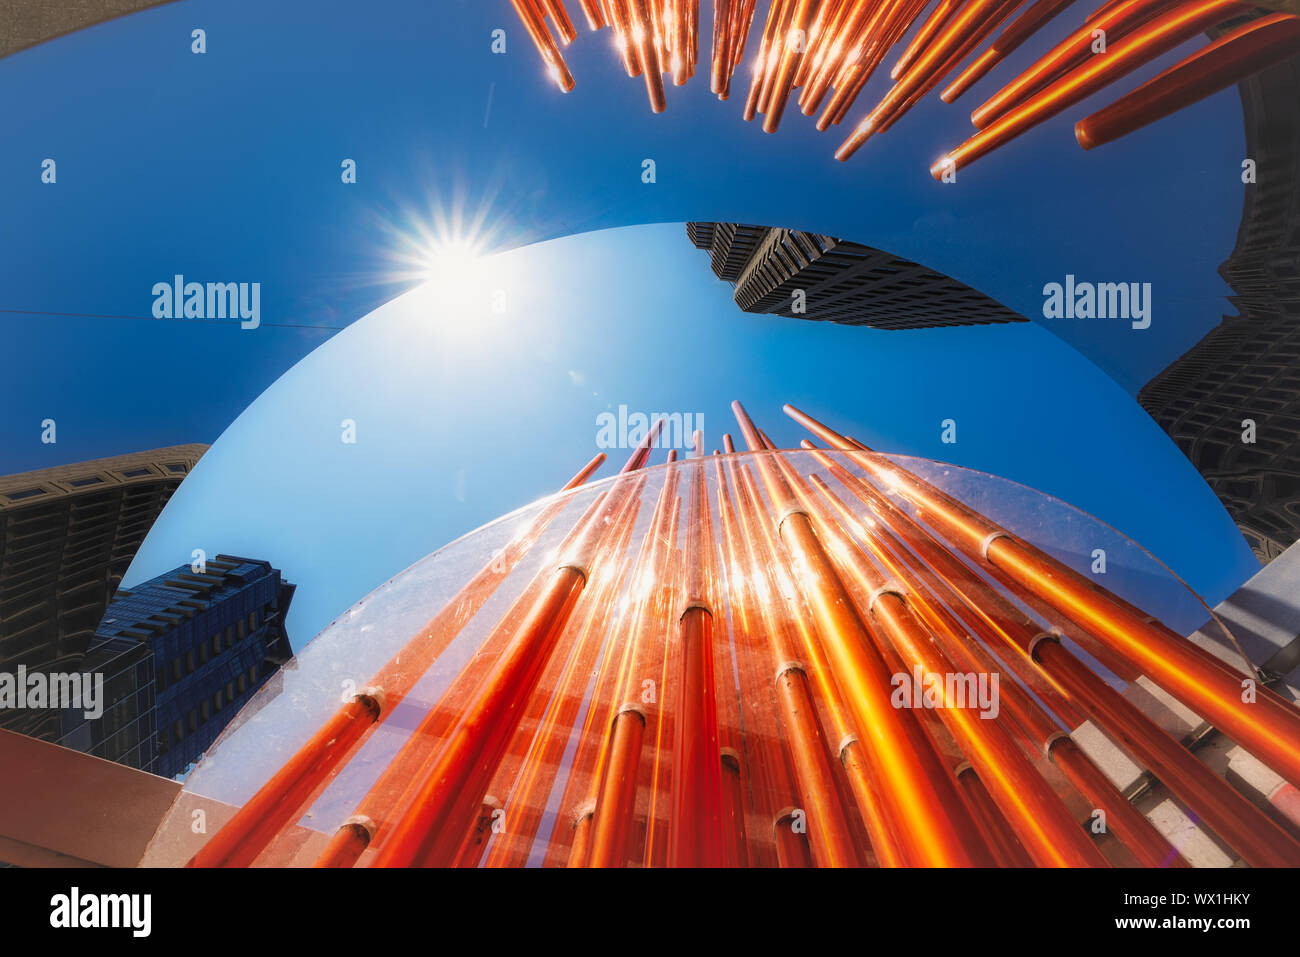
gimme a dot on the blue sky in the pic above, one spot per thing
(462, 415)
(225, 167)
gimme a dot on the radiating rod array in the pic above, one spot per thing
(813, 658)
(823, 53)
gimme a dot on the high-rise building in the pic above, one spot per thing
(813, 276)
(186, 650)
(67, 536)
(1241, 382)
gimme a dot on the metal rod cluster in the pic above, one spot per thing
(707, 673)
(828, 50)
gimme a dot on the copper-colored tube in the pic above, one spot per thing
(286, 794)
(783, 11)
(643, 38)
(616, 792)
(1226, 811)
(940, 15)
(1051, 836)
(1233, 57)
(1141, 46)
(560, 16)
(844, 51)
(1041, 734)
(822, 29)
(449, 787)
(595, 17)
(791, 55)
(954, 33)
(551, 56)
(771, 27)
(917, 792)
(768, 773)
(1115, 19)
(1005, 846)
(830, 841)
(282, 798)
(1269, 728)
(1251, 833)
(527, 798)
(1007, 42)
(695, 836)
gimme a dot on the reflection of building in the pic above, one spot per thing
(29, 22)
(67, 535)
(1248, 367)
(203, 643)
(812, 276)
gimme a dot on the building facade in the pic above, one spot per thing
(67, 536)
(1232, 402)
(813, 276)
(183, 652)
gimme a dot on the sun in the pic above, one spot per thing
(450, 261)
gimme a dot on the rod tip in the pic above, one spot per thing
(1083, 135)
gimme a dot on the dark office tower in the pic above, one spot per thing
(67, 535)
(813, 276)
(1248, 367)
(28, 22)
(203, 642)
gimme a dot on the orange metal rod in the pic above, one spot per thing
(1226, 811)
(621, 20)
(453, 785)
(1046, 828)
(784, 11)
(616, 793)
(1042, 735)
(968, 43)
(527, 798)
(695, 836)
(851, 83)
(1269, 728)
(792, 53)
(768, 778)
(595, 17)
(1239, 54)
(940, 15)
(823, 29)
(1005, 846)
(286, 794)
(830, 839)
(1141, 46)
(643, 38)
(844, 51)
(1115, 20)
(771, 27)
(916, 789)
(1260, 841)
(541, 37)
(1008, 41)
(560, 16)
(962, 24)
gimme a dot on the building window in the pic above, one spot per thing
(216, 643)
(189, 661)
(194, 720)
(242, 683)
(217, 701)
(230, 691)
(176, 669)
(164, 741)
(178, 732)
(203, 653)
(205, 710)
(230, 635)
(160, 677)
(241, 629)
(252, 621)
(252, 675)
